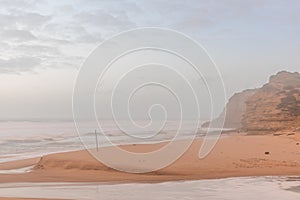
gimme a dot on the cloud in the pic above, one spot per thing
(17, 3)
(55, 34)
(17, 35)
(7, 21)
(19, 64)
(16, 18)
(59, 31)
(102, 21)
(38, 49)
(31, 19)
(73, 32)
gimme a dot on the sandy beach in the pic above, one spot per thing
(233, 156)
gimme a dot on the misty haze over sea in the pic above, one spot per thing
(25, 139)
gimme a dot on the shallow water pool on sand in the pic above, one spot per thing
(275, 188)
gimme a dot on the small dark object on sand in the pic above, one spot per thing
(267, 153)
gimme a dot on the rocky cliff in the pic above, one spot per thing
(273, 107)
(235, 109)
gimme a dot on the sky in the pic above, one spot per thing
(43, 43)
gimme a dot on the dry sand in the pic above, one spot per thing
(233, 156)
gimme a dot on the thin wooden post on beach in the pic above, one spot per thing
(96, 141)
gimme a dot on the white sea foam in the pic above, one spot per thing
(17, 171)
(20, 140)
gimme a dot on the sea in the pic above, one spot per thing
(27, 139)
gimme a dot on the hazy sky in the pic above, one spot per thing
(44, 42)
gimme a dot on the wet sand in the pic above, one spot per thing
(8, 198)
(233, 156)
(19, 164)
(275, 188)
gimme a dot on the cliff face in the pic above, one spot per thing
(235, 109)
(275, 106)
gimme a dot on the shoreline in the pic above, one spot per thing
(233, 156)
(17, 198)
(280, 186)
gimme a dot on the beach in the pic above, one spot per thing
(235, 155)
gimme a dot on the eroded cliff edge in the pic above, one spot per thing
(273, 107)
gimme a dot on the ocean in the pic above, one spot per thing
(27, 139)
